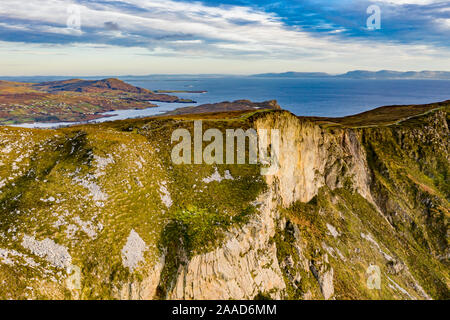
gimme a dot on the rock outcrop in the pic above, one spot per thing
(310, 158)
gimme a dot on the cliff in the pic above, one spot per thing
(100, 212)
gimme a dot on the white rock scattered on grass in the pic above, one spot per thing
(99, 204)
(333, 230)
(133, 251)
(228, 175)
(214, 177)
(60, 222)
(49, 250)
(96, 193)
(71, 230)
(6, 256)
(165, 195)
(138, 164)
(339, 253)
(369, 238)
(7, 149)
(87, 227)
(51, 199)
(102, 163)
(217, 177)
(398, 288)
(333, 251)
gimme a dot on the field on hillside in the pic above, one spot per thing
(71, 100)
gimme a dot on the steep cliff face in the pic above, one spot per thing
(312, 157)
(352, 213)
(327, 230)
(247, 263)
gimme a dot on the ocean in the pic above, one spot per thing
(326, 97)
(307, 97)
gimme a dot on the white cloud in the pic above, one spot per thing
(161, 26)
(405, 2)
(162, 18)
(187, 41)
(445, 23)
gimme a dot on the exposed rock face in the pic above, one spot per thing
(347, 207)
(310, 158)
(246, 264)
(242, 267)
(145, 289)
(325, 279)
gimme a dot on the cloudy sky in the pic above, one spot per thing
(123, 37)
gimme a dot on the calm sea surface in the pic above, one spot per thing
(306, 97)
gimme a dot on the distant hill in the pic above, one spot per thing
(72, 100)
(294, 75)
(388, 74)
(364, 74)
(78, 85)
(238, 105)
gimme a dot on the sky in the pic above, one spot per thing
(140, 37)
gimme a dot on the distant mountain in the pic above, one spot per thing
(294, 75)
(388, 74)
(363, 74)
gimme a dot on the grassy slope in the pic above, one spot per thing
(54, 158)
(410, 173)
(383, 116)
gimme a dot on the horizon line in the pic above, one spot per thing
(217, 74)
